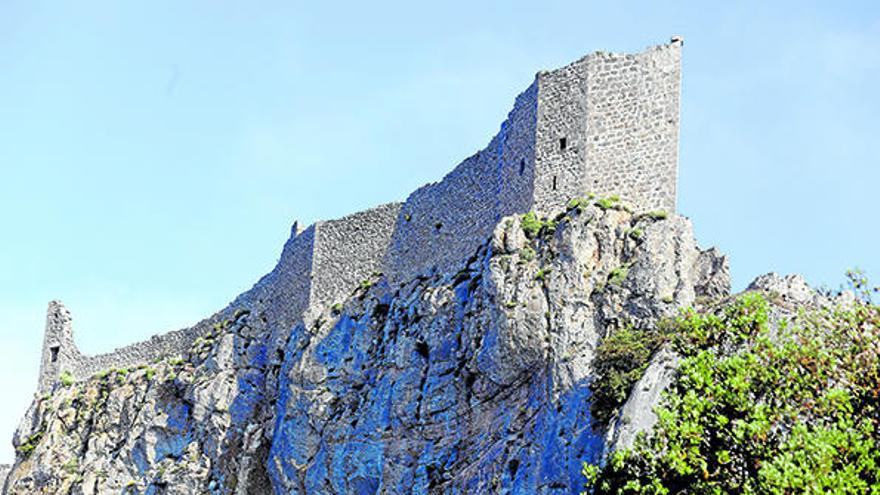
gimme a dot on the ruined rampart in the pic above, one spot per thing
(606, 124)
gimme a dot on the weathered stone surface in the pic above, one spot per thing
(637, 414)
(474, 381)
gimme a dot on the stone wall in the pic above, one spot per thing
(560, 136)
(442, 224)
(632, 126)
(59, 351)
(607, 123)
(4, 473)
(618, 115)
(347, 251)
(281, 296)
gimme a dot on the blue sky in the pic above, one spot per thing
(154, 154)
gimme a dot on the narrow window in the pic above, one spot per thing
(562, 143)
(53, 352)
(554, 182)
(522, 166)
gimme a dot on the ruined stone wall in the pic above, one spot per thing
(607, 123)
(516, 171)
(282, 296)
(158, 347)
(632, 125)
(4, 473)
(59, 351)
(348, 250)
(442, 224)
(560, 136)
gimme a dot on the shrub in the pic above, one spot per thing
(542, 274)
(30, 443)
(66, 378)
(527, 254)
(607, 203)
(534, 227)
(621, 360)
(747, 414)
(618, 275)
(531, 225)
(658, 215)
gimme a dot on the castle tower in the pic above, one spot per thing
(608, 124)
(59, 351)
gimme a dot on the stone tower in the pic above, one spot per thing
(59, 351)
(608, 124)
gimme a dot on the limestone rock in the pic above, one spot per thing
(475, 381)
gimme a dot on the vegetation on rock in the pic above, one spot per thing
(755, 408)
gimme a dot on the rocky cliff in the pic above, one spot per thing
(469, 382)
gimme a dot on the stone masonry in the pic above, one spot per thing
(605, 124)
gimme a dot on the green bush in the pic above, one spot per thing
(30, 443)
(618, 275)
(658, 215)
(534, 227)
(621, 360)
(527, 254)
(66, 378)
(542, 274)
(748, 414)
(608, 203)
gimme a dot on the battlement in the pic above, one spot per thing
(605, 124)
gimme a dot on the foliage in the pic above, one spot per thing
(658, 215)
(541, 275)
(30, 443)
(621, 360)
(66, 378)
(534, 227)
(608, 203)
(752, 411)
(527, 254)
(579, 203)
(618, 275)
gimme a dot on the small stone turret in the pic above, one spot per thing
(58, 347)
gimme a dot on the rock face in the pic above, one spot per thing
(467, 382)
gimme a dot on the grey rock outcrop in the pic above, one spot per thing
(469, 382)
(637, 415)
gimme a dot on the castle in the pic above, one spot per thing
(605, 124)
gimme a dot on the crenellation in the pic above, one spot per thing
(606, 124)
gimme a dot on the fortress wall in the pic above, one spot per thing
(442, 224)
(4, 473)
(157, 347)
(618, 115)
(347, 251)
(632, 125)
(516, 171)
(282, 295)
(561, 114)
(58, 335)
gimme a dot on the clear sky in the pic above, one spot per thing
(154, 154)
